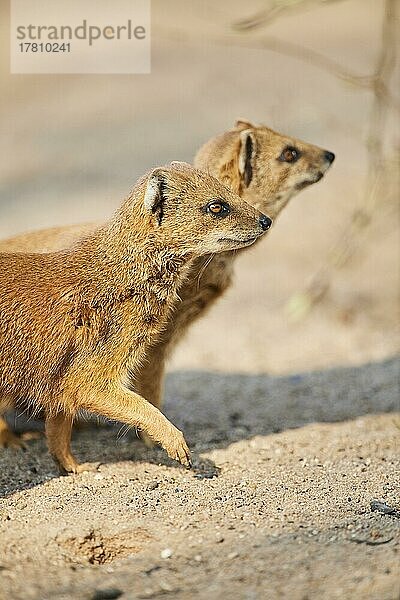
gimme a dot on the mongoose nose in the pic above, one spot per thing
(329, 156)
(265, 222)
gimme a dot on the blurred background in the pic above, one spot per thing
(322, 290)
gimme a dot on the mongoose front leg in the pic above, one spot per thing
(58, 433)
(120, 404)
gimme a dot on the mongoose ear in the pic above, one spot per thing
(246, 156)
(243, 124)
(155, 194)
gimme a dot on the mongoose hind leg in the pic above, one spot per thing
(58, 433)
(8, 439)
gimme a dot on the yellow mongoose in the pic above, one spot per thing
(76, 324)
(266, 169)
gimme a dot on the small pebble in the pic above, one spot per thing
(166, 553)
(152, 486)
(205, 475)
(107, 594)
(384, 508)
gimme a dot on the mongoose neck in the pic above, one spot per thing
(114, 265)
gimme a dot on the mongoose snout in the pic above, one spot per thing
(317, 169)
(329, 156)
(265, 222)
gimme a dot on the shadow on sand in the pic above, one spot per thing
(216, 409)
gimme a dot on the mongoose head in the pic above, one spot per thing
(264, 167)
(195, 213)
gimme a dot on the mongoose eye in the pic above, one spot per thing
(217, 208)
(289, 154)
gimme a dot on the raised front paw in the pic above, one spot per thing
(176, 447)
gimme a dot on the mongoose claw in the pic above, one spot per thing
(185, 458)
(73, 468)
(178, 449)
(88, 467)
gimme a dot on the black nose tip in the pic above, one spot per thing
(329, 156)
(265, 222)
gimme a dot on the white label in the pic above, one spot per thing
(80, 36)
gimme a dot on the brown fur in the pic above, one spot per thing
(272, 184)
(75, 325)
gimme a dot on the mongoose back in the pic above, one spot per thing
(75, 325)
(265, 168)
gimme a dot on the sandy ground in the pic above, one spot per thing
(278, 504)
(294, 426)
(72, 147)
